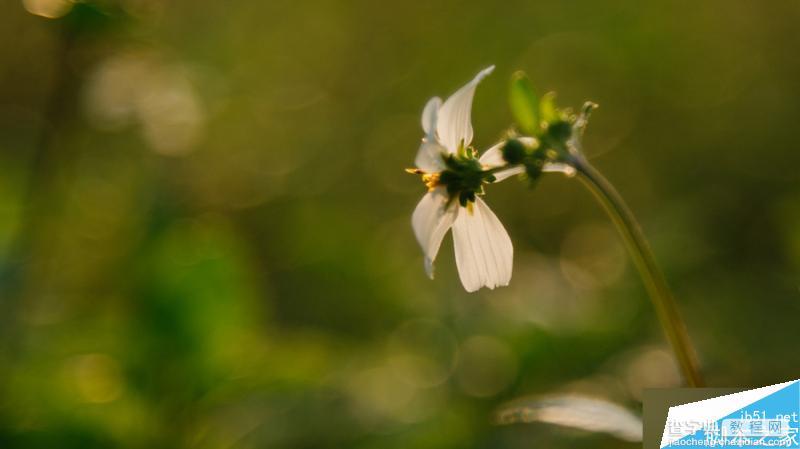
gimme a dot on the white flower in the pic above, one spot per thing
(484, 253)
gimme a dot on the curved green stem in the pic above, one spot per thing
(645, 262)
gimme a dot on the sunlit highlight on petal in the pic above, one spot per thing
(454, 125)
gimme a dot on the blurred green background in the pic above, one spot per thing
(205, 232)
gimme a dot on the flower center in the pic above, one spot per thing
(463, 177)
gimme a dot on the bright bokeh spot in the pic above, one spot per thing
(141, 88)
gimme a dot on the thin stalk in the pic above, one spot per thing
(645, 262)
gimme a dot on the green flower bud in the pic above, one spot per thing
(534, 166)
(514, 151)
(559, 131)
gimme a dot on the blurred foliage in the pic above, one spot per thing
(204, 222)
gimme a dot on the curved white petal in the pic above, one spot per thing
(429, 117)
(549, 167)
(431, 220)
(430, 157)
(454, 122)
(484, 254)
(557, 167)
(579, 412)
(493, 157)
(505, 174)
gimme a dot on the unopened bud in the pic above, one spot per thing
(560, 130)
(514, 151)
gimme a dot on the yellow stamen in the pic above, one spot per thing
(470, 207)
(431, 180)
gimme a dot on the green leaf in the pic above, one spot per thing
(547, 108)
(524, 103)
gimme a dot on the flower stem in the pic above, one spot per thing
(642, 255)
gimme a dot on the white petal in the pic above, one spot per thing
(549, 167)
(505, 174)
(579, 412)
(429, 116)
(431, 220)
(455, 123)
(430, 157)
(484, 254)
(493, 157)
(557, 167)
